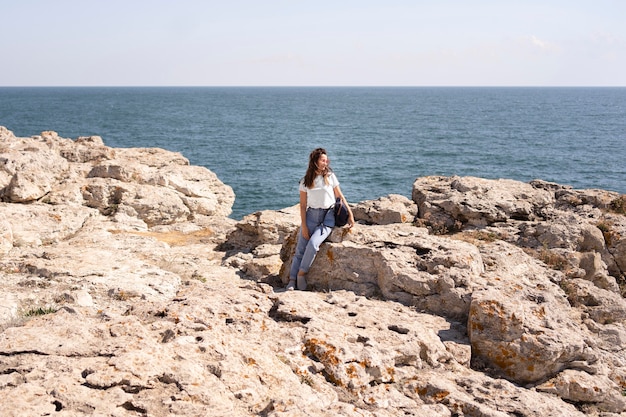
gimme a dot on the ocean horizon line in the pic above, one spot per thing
(326, 86)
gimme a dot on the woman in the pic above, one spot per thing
(318, 190)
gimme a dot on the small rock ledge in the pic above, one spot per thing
(127, 291)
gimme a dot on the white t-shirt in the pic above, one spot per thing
(320, 195)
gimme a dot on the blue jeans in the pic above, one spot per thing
(320, 223)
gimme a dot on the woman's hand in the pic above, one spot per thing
(339, 194)
(350, 218)
(303, 204)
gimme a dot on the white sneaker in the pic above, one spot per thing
(302, 282)
(292, 285)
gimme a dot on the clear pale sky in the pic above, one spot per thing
(312, 43)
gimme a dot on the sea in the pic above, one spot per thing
(379, 139)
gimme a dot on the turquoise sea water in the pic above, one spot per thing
(379, 139)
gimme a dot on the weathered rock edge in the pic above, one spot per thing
(477, 297)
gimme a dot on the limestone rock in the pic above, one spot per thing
(6, 234)
(522, 324)
(601, 305)
(553, 220)
(390, 209)
(260, 268)
(50, 168)
(507, 337)
(264, 227)
(619, 253)
(451, 203)
(5, 134)
(33, 171)
(580, 387)
(38, 224)
(596, 271)
(87, 149)
(398, 262)
(126, 291)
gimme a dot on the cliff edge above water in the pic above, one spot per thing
(127, 291)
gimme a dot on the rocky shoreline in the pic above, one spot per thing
(127, 291)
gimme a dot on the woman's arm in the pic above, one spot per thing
(303, 202)
(338, 193)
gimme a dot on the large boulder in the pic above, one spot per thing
(580, 387)
(398, 262)
(196, 187)
(389, 209)
(154, 185)
(522, 324)
(271, 227)
(153, 205)
(600, 305)
(567, 227)
(32, 173)
(452, 203)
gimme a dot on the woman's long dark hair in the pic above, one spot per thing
(310, 175)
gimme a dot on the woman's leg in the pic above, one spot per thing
(306, 250)
(318, 236)
(297, 257)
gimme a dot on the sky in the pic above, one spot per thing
(312, 43)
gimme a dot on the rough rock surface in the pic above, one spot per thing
(126, 291)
